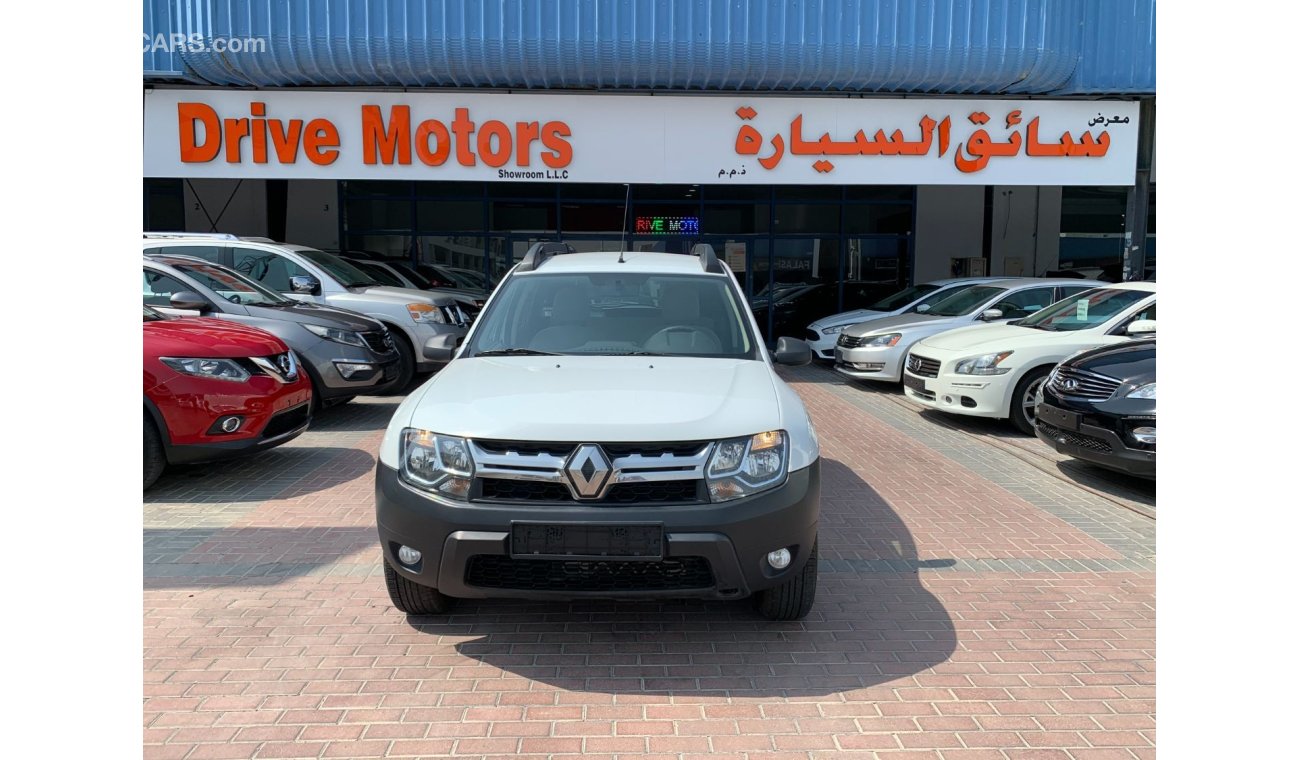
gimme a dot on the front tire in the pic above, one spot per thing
(793, 599)
(155, 460)
(412, 598)
(1022, 401)
(405, 363)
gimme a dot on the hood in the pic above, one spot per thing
(1131, 362)
(207, 338)
(307, 313)
(993, 337)
(909, 322)
(848, 318)
(402, 295)
(599, 398)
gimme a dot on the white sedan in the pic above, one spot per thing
(996, 370)
(823, 333)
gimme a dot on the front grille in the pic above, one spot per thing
(848, 341)
(813, 336)
(526, 448)
(289, 419)
(922, 366)
(378, 341)
(682, 449)
(678, 573)
(1068, 381)
(1075, 439)
(653, 492)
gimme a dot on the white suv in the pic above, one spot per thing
(611, 427)
(306, 274)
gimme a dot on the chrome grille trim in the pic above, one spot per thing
(503, 463)
(922, 366)
(1089, 386)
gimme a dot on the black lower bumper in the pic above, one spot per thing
(466, 548)
(292, 422)
(1091, 443)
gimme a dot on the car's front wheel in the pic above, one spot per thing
(1025, 398)
(793, 599)
(412, 598)
(155, 461)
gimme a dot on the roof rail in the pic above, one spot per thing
(259, 240)
(538, 253)
(708, 259)
(196, 235)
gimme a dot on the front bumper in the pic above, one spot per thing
(973, 395)
(734, 538)
(889, 357)
(823, 346)
(325, 367)
(1094, 438)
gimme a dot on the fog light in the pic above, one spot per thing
(348, 369)
(947, 399)
(231, 424)
(779, 559)
(408, 556)
(867, 366)
(1145, 435)
(226, 424)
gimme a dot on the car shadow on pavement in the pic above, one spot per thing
(873, 622)
(362, 414)
(282, 472)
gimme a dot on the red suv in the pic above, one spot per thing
(215, 389)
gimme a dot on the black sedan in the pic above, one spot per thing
(1100, 406)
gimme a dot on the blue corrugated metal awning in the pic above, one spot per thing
(934, 46)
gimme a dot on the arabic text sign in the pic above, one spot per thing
(714, 139)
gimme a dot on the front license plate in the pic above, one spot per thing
(1058, 417)
(551, 540)
(915, 383)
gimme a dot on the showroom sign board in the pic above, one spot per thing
(695, 139)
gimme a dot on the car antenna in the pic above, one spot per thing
(627, 201)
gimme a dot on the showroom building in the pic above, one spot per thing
(854, 146)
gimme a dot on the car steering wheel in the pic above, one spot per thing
(693, 329)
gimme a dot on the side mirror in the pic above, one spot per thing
(1136, 327)
(189, 301)
(305, 284)
(991, 314)
(441, 348)
(792, 351)
(923, 308)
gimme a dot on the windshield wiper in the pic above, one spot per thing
(1046, 327)
(638, 353)
(515, 352)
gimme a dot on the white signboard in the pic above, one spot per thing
(702, 139)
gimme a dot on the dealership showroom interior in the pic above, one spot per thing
(651, 378)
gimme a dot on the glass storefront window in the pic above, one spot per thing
(385, 188)
(591, 217)
(454, 251)
(878, 218)
(735, 218)
(378, 214)
(519, 216)
(807, 217)
(466, 216)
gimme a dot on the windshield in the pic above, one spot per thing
(347, 274)
(409, 273)
(965, 302)
(384, 276)
(469, 278)
(615, 314)
(938, 297)
(902, 298)
(230, 285)
(1088, 309)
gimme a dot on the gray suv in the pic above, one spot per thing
(344, 353)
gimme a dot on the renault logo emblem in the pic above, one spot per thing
(588, 472)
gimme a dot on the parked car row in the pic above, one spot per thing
(1015, 348)
(246, 339)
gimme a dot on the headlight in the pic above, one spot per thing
(984, 365)
(219, 369)
(1143, 391)
(833, 330)
(423, 313)
(881, 341)
(336, 335)
(744, 466)
(438, 463)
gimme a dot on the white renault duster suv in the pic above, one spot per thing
(610, 427)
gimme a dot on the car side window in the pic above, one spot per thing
(1067, 291)
(270, 269)
(206, 252)
(1023, 303)
(158, 288)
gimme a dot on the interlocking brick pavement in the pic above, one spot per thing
(970, 606)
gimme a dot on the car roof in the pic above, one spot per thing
(1022, 282)
(644, 262)
(1149, 287)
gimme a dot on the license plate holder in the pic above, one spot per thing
(534, 540)
(915, 383)
(1060, 418)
